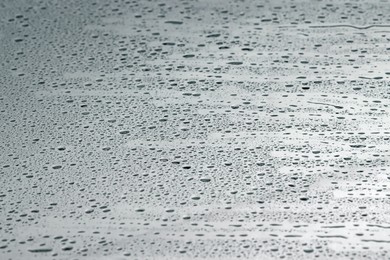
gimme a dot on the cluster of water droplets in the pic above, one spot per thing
(189, 129)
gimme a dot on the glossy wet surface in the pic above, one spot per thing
(194, 130)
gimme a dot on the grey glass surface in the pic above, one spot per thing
(194, 129)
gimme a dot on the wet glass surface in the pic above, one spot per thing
(194, 129)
